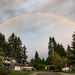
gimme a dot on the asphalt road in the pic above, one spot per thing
(48, 73)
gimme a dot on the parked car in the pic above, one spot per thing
(26, 69)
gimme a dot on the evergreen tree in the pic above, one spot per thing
(60, 50)
(43, 61)
(24, 56)
(7, 52)
(32, 61)
(2, 44)
(73, 50)
(37, 59)
(51, 48)
(16, 47)
(69, 54)
(68, 51)
(11, 42)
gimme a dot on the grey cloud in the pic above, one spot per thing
(12, 8)
(35, 30)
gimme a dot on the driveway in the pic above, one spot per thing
(48, 73)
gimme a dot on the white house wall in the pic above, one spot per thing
(17, 68)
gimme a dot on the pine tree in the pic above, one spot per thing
(60, 50)
(73, 50)
(69, 54)
(43, 61)
(24, 56)
(7, 52)
(32, 61)
(16, 47)
(11, 42)
(68, 51)
(51, 47)
(37, 59)
(2, 44)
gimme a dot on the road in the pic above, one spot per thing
(48, 73)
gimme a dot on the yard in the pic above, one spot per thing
(14, 72)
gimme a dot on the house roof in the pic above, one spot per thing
(7, 57)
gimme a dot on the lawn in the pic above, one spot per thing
(14, 72)
(70, 72)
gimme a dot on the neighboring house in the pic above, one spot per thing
(49, 67)
(12, 63)
(65, 69)
(18, 66)
(9, 61)
(30, 67)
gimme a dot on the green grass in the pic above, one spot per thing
(14, 72)
(69, 72)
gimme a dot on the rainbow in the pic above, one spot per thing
(45, 14)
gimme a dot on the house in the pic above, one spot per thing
(30, 67)
(8, 61)
(65, 69)
(12, 63)
(49, 67)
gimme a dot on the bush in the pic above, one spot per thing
(39, 66)
(5, 71)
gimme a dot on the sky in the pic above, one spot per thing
(35, 30)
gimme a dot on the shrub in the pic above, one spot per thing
(5, 71)
(39, 66)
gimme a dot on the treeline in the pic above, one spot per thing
(13, 48)
(57, 49)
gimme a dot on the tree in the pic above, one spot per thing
(16, 47)
(69, 54)
(72, 61)
(11, 42)
(2, 44)
(43, 61)
(68, 51)
(39, 66)
(1, 61)
(32, 61)
(24, 56)
(51, 47)
(58, 61)
(48, 61)
(37, 59)
(7, 52)
(60, 50)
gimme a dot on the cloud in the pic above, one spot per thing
(11, 8)
(35, 30)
